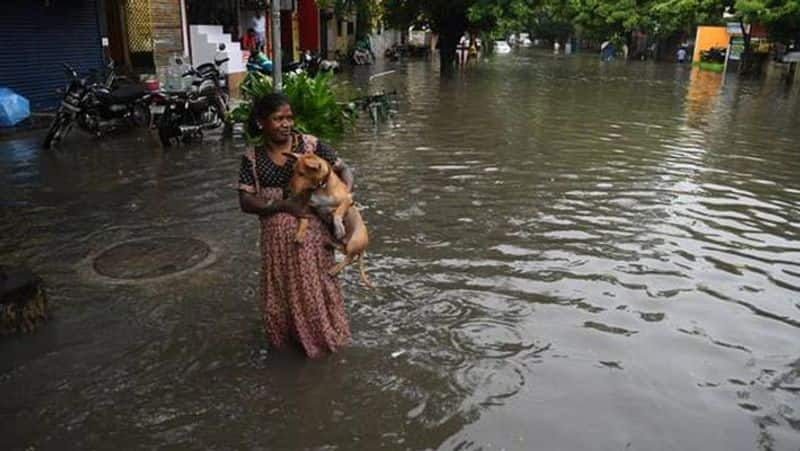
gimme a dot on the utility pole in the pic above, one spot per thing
(275, 12)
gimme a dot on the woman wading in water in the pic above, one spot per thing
(301, 302)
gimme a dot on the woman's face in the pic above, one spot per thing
(278, 125)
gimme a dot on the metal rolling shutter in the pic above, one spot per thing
(35, 39)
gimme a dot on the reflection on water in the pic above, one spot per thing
(570, 255)
(702, 92)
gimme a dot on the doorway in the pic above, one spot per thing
(117, 33)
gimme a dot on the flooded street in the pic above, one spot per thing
(569, 255)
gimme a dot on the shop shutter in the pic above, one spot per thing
(37, 36)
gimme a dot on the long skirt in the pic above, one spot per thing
(302, 303)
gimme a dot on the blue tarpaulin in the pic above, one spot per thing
(13, 108)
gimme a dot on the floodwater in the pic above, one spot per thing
(570, 255)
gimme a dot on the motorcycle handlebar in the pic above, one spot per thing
(70, 70)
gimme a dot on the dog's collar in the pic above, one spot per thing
(324, 183)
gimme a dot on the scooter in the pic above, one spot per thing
(258, 62)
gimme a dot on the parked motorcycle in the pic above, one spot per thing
(185, 114)
(98, 106)
(313, 64)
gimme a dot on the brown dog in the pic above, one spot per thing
(314, 182)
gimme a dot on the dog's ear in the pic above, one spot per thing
(313, 164)
(292, 155)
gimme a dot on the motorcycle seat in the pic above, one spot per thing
(127, 93)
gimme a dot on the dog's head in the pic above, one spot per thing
(310, 172)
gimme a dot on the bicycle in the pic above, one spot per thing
(380, 106)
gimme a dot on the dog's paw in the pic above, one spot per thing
(338, 229)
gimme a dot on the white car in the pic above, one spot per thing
(502, 47)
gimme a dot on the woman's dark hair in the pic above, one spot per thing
(262, 108)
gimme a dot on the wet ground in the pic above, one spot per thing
(570, 255)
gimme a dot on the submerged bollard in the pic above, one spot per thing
(23, 303)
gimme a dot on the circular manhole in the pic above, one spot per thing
(150, 258)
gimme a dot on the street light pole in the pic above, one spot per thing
(275, 12)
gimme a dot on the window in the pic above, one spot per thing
(350, 28)
(339, 28)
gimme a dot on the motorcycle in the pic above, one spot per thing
(394, 53)
(97, 107)
(314, 64)
(185, 114)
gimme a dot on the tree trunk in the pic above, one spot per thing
(745, 61)
(448, 42)
(451, 27)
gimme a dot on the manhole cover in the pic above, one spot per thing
(149, 258)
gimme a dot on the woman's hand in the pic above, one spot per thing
(293, 207)
(345, 173)
(250, 203)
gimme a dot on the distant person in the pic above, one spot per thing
(472, 53)
(556, 47)
(259, 24)
(607, 51)
(462, 49)
(250, 41)
(681, 55)
(362, 53)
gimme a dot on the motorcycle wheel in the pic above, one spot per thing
(222, 108)
(58, 130)
(166, 130)
(141, 115)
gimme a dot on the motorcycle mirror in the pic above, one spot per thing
(70, 71)
(221, 47)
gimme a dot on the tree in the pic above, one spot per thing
(606, 18)
(554, 19)
(500, 18)
(448, 18)
(684, 15)
(365, 11)
(780, 17)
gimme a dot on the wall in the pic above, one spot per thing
(708, 37)
(309, 25)
(167, 30)
(380, 42)
(344, 41)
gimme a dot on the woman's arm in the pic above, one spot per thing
(250, 203)
(344, 172)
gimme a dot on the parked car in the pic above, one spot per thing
(502, 47)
